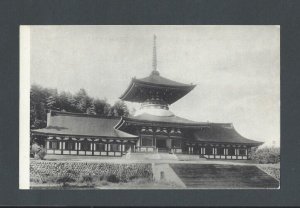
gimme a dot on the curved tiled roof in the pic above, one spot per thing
(156, 79)
(218, 133)
(162, 119)
(73, 124)
(137, 87)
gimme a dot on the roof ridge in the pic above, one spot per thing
(55, 112)
(180, 84)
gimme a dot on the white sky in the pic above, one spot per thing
(236, 68)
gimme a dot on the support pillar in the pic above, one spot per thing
(61, 147)
(85, 146)
(121, 148)
(214, 151)
(70, 143)
(106, 147)
(77, 147)
(92, 147)
(235, 153)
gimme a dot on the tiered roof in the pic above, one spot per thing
(137, 90)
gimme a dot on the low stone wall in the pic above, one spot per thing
(65, 171)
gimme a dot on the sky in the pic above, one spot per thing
(236, 68)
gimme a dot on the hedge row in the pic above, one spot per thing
(61, 172)
(266, 155)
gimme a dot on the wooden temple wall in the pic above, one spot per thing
(87, 147)
(149, 136)
(208, 151)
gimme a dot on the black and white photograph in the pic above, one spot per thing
(149, 107)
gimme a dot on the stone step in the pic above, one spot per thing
(186, 157)
(223, 176)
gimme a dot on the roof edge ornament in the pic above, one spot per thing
(154, 58)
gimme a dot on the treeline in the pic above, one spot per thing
(44, 99)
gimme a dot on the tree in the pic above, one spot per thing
(63, 101)
(91, 110)
(266, 155)
(119, 109)
(38, 108)
(101, 107)
(51, 102)
(44, 99)
(83, 101)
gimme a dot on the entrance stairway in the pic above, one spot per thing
(186, 157)
(167, 156)
(223, 176)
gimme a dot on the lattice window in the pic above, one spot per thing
(208, 150)
(242, 151)
(147, 141)
(176, 143)
(114, 147)
(53, 145)
(220, 151)
(69, 145)
(100, 147)
(231, 151)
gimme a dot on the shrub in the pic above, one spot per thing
(42, 153)
(113, 178)
(87, 179)
(65, 180)
(34, 148)
(266, 155)
(39, 152)
(83, 172)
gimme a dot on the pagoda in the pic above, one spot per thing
(159, 129)
(153, 128)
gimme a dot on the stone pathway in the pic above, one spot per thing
(164, 173)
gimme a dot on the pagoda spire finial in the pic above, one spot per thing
(154, 58)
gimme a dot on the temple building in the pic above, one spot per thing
(153, 128)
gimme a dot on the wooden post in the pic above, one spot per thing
(84, 146)
(77, 146)
(93, 147)
(61, 146)
(121, 148)
(154, 138)
(106, 148)
(70, 144)
(214, 151)
(47, 144)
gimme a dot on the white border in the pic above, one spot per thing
(24, 106)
